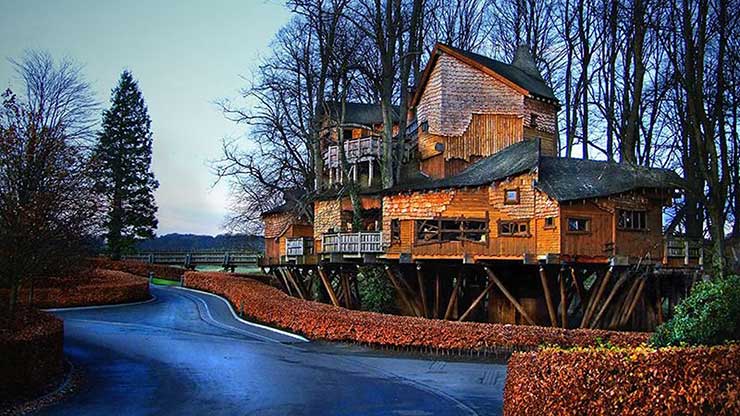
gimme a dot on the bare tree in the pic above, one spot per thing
(48, 208)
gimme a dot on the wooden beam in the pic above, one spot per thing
(327, 285)
(400, 291)
(453, 295)
(580, 292)
(626, 317)
(436, 294)
(563, 300)
(593, 301)
(477, 301)
(548, 297)
(620, 282)
(422, 291)
(285, 280)
(345, 289)
(291, 277)
(624, 303)
(508, 295)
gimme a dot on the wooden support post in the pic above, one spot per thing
(281, 272)
(563, 300)
(548, 298)
(327, 285)
(626, 317)
(626, 300)
(422, 291)
(311, 279)
(609, 298)
(508, 295)
(477, 301)
(345, 289)
(453, 295)
(594, 300)
(291, 278)
(580, 292)
(401, 292)
(436, 294)
(370, 174)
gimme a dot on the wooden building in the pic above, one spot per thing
(490, 224)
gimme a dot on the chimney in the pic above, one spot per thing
(524, 61)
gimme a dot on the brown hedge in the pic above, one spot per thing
(31, 353)
(137, 267)
(326, 322)
(95, 287)
(633, 381)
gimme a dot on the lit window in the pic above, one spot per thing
(444, 230)
(511, 196)
(579, 225)
(632, 220)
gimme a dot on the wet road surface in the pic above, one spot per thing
(185, 353)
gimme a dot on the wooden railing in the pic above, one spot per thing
(357, 150)
(361, 242)
(691, 251)
(194, 258)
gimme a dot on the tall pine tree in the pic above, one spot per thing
(124, 151)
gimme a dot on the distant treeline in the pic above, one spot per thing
(192, 242)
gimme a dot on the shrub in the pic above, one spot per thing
(375, 291)
(624, 381)
(319, 321)
(708, 316)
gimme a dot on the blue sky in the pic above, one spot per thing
(185, 55)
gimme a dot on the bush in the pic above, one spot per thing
(375, 291)
(708, 316)
(624, 381)
(320, 321)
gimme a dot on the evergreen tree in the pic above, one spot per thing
(124, 151)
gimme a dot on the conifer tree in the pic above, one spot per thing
(124, 151)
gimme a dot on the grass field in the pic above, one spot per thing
(165, 282)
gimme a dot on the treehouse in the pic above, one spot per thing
(288, 235)
(489, 224)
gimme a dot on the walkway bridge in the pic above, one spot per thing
(191, 259)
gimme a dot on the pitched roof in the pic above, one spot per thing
(360, 113)
(519, 72)
(567, 179)
(564, 179)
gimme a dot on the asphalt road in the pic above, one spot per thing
(186, 354)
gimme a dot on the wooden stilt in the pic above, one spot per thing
(563, 300)
(285, 280)
(422, 291)
(548, 297)
(401, 292)
(346, 289)
(624, 303)
(289, 274)
(620, 282)
(508, 295)
(436, 294)
(453, 295)
(477, 301)
(327, 285)
(626, 317)
(594, 300)
(311, 280)
(578, 285)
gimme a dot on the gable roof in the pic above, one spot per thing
(511, 74)
(564, 179)
(360, 113)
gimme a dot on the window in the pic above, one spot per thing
(395, 230)
(579, 225)
(442, 230)
(631, 220)
(514, 228)
(533, 120)
(346, 134)
(550, 222)
(511, 196)
(424, 126)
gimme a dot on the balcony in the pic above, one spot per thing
(364, 149)
(681, 250)
(353, 243)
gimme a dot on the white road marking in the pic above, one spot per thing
(233, 313)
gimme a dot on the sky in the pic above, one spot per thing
(185, 55)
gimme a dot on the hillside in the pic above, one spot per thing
(192, 242)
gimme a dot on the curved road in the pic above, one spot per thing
(186, 354)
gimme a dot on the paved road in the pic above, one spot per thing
(186, 354)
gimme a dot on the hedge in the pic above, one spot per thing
(137, 267)
(319, 321)
(632, 381)
(96, 287)
(31, 354)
